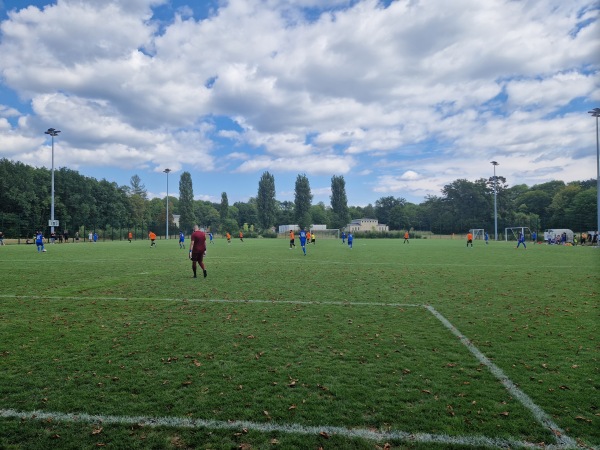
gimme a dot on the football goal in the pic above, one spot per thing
(477, 233)
(329, 233)
(512, 233)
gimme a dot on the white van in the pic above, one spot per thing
(551, 233)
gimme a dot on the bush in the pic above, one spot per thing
(269, 234)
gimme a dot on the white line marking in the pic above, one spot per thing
(204, 300)
(177, 422)
(233, 260)
(539, 414)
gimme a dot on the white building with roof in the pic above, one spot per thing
(366, 225)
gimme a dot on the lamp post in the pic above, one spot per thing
(494, 163)
(52, 132)
(167, 172)
(596, 113)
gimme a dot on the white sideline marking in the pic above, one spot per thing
(539, 414)
(216, 259)
(204, 300)
(177, 422)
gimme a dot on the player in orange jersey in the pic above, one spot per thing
(152, 237)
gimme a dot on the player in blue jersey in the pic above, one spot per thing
(486, 238)
(350, 240)
(210, 237)
(39, 241)
(521, 240)
(303, 240)
(181, 240)
(343, 237)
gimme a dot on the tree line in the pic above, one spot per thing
(85, 203)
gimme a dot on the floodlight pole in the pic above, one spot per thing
(52, 132)
(494, 163)
(167, 172)
(596, 113)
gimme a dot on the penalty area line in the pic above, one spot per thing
(540, 415)
(177, 422)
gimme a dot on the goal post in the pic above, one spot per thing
(478, 233)
(512, 233)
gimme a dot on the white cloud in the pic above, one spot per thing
(316, 165)
(339, 92)
(549, 93)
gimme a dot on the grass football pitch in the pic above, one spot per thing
(385, 345)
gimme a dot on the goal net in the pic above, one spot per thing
(477, 233)
(329, 233)
(512, 233)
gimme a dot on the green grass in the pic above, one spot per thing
(337, 338)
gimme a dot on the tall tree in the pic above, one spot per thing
(470, 202)
(137, 187)
(137, 201)
(384, 206)
(320, 214)
(187, 215)
(208, 214)
(339, 202)
(285, 212)
(246, 212)
(536, 202)
(302, 201)
(582, 212)
(266, 202)
(224, 207)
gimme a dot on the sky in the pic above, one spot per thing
(398, 97)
